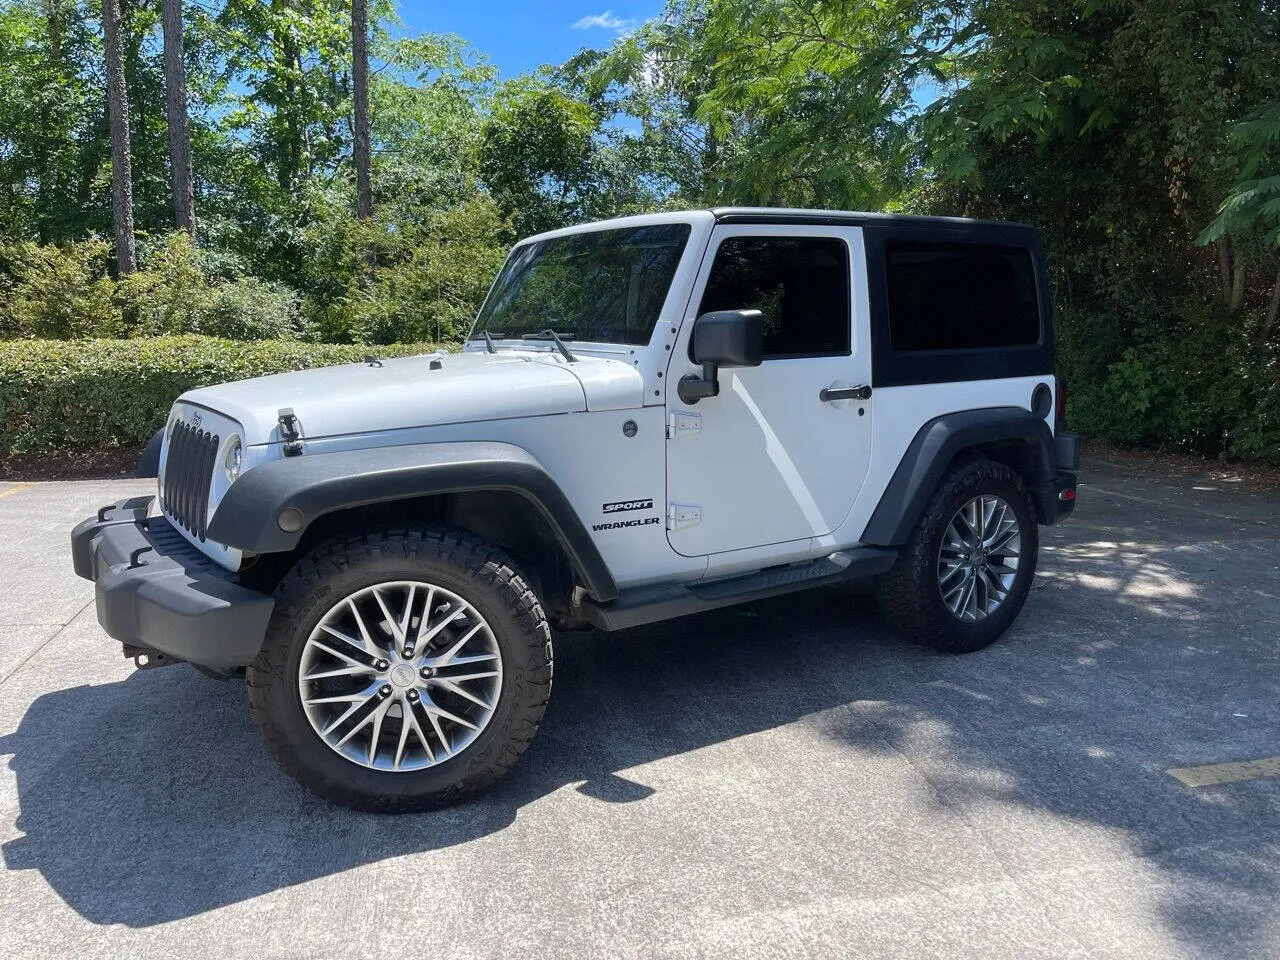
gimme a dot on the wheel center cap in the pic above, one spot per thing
(403, 675)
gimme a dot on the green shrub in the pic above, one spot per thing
(170, 291)
(66, 293)
(97, 393)
(250, 309)
(1203, 386)
(431, 274)
(59, 292)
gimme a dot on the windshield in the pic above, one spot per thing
(606, 285)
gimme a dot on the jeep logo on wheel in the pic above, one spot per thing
(623, 505)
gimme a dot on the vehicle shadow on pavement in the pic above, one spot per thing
(151, 799)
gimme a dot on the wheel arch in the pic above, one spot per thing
(149, 460)
(1013, 436)
(497, 490)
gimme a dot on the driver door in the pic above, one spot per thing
(769, 460)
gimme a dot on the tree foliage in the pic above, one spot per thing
(1142, 138)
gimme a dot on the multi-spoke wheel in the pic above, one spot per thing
(402, 670)
(978, 558)
(400, 675)
(965, 572)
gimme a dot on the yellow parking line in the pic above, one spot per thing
(18, 489)
(1216, 773)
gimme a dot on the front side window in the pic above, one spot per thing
(606, 286)
(960, 296)
(801, 284)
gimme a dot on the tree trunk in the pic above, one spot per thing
(286, 64)
(1224, 267)
(1237, 286)
(53, 17)
(121, 155)
(175, 100)
(1273, 308)
(361, 149)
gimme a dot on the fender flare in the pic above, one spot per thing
(149, 462)
(319, 484)
(935, 446)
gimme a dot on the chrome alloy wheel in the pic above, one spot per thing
(978, 559)
(400, 676)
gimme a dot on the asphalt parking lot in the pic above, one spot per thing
(784, 779)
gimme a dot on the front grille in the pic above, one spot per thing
(188, 474)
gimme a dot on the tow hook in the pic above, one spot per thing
(145, 659)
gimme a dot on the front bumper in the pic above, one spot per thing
(157, 592)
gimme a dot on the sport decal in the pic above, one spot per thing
(623, 505)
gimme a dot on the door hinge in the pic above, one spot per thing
(681, 515)
(681, 423)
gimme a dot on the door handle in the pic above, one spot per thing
(827, 394)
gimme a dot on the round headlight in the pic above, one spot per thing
(232, 461)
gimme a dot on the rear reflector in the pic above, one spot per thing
(1067, 495)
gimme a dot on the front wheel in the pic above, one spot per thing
(402, 670)
(965, 573)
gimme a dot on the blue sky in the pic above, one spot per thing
(518, 35)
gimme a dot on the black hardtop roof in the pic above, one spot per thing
(788, 215)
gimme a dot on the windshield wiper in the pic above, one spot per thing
(488, 340)
(550, 334)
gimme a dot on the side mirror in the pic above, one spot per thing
(722, 338)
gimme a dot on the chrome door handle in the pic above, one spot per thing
(827, 394)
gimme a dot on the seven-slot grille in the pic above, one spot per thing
(188, 474)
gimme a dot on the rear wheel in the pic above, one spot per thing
(964, 574)
(402, 670)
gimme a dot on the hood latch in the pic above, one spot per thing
(290, 432)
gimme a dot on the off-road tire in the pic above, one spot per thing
(474, 569)
(908, 594)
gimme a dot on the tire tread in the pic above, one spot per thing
(906, 592)
(467, 553)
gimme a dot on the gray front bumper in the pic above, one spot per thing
(156, 591)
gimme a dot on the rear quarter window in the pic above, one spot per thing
(960, 296)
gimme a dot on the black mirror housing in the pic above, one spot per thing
(729, 338)
(722, 338)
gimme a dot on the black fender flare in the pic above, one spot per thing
(318, 484)
(936, 444)
(149, 462)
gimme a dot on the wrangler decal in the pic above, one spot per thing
(619, 524)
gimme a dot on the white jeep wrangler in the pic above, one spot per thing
(653, 416)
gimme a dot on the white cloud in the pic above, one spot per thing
(604, 21)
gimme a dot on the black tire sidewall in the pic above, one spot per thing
(463, 565)
(979, 478)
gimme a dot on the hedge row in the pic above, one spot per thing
(59, 394)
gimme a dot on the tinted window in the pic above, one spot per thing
(603, 285)
(959, 296)
(800, 284)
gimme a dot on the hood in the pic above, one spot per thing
(423, 391)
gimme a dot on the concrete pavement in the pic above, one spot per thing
(780, 780)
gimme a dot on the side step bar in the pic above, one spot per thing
(667, 601)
